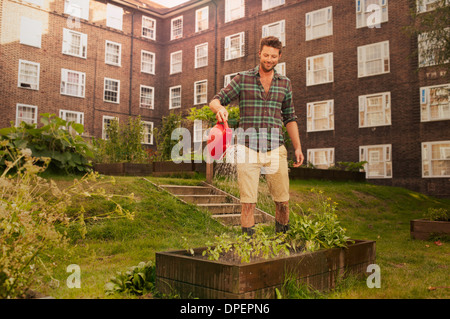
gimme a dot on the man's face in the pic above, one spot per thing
(269, 57)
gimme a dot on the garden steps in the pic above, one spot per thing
(223, 207)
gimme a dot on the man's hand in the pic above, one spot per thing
(298, 157)
(222, 115)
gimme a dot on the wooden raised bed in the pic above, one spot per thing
(155, 168)
(424, 229)
(326, 174)
(194, 276)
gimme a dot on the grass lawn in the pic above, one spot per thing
(409, 268)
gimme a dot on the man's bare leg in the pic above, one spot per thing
(248, 218)
(281, 217)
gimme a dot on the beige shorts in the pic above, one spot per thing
(273, 165)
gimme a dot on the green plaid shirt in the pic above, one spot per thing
(259, 114)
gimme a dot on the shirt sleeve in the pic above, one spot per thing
(230, 92)
(287, 107)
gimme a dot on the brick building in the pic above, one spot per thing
(357, 91)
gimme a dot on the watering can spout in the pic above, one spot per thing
(218, 140)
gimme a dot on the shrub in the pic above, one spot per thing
(57, 139)
(437, 214)
(163, 136)
(137, 280)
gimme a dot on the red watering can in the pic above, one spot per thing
(218, 140)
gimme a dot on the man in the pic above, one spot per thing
(265, 103)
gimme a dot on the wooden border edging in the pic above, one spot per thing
(177, 271)
(423, 229)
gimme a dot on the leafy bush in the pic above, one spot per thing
(137, 280)
(437, 214)
(205, 114)
(123, 143)
(57, 139)
(163, 136)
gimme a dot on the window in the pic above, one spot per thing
(371, 13)
(72, 116)
(176, 28)
(175, 97)
(72, 83)
(428, 5)
(435, 103)
(276, 29)
(373, 59)
(201, 55)
(77, 8)
(269, 4)
(199, 134)
(176, 62)
(74, 43)
(320, 116)
(148, 132)
(111, 91)
(107, 120)
(281, 68)
(234, 46)
(28, 75)
(319, 69)
(432, 50)
(234, 9)
(375, 109)
(319, 23)
(321, 158)
(114, 16)
(436, 159)
(201, 92)
(26, 113)
(113, 53)
(30, 32)
(147, 62)
(147, 97)
(148, 28)
(378, 158)
(227, 78)
(201, 19)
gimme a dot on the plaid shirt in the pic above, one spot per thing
(259, 114)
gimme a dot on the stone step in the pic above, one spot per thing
(188, 190)
(235, 219)
(205, 199)
(222, 208)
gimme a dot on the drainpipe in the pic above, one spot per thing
(215, 47)
(131, 64)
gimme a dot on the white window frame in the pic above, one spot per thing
(148, 134)
(176, 32)
(79, 118)
(202, 97)
(175, 61)
(228, 77)
(385, 158)
(311, 22)
(30, 32)
(425, 100)
(202, 18)
(281, 30)
(141, 97)
(114, 16)
(105, 124)
(281, 68)
(428, 5)
(425, 58)
(80, 87)
(427, 159)
(148, 32)
(20, 119)
(77, 8)
(67, 47)
(310, 69)
(234, 10)
(329, 116)
(385, 109)
(228, 48)
(329, 157)
(172, 97)
(269, 4)
(108, 54)
(363, 60)
(148, 66)
(23, 78)
(198, 57)
(371, 15)
(198, 134)
(105, 91)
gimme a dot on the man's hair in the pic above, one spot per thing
(271, 41)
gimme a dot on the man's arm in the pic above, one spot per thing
(292, 129)
(218, 109)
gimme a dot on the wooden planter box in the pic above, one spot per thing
(187, 275)
(425, 229)
(326, 174)
(155, 168)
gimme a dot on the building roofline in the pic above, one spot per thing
(159, 10)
